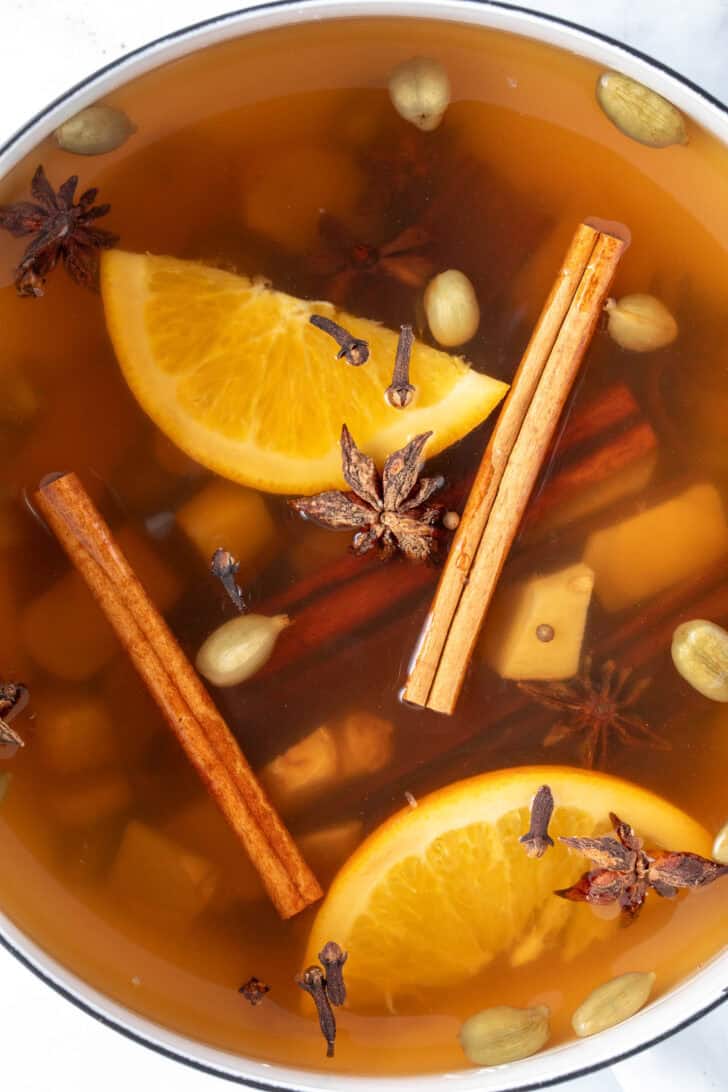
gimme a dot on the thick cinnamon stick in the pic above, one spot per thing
(179, 693)
(509, 470)
(341, 600)
(642, 641)
(492, 466)
(602, 463)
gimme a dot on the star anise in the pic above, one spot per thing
(627, 871)
(13, 699)
(387, 513)
(62, 231)
(596, 709)
(343, 258)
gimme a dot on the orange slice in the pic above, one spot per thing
(440, 890)
(235, 375)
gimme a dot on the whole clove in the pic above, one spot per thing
(354, 350)
(225, 567)
(400, 391)
(537, 840)
(254, 990)
(332, 959)
(13, 699)
(313, 981)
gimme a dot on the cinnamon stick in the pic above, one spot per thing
(176, 687)
(509, 468)
(640, 642)
(618, 452)
(357, 592)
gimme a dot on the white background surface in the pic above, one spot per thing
(45, 47)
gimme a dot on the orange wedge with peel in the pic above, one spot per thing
(234, 374)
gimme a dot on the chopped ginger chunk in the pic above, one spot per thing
(535, 628)
(644, 554)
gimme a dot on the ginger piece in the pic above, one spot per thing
(328, 848)
(201, 828)
(89, 803)
(358, 744)
(364, 742)
(159, 878)
(585, 502)
(535, 629)
(646, 553)
(300, 773)
(74, 732)
(64, 630)
(227, 515)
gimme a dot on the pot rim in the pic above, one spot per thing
(703, 991)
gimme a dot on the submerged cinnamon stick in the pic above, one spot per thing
(607, 451)
(509, 469)
(340, 601)
(176, 687)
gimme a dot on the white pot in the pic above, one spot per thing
(708, 987)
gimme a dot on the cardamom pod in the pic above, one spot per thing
(720, 845)
(504, 1034)
(612, 1003)
(452, 309)
(700, 654)
(640, 113)
(420, 92)
(640, 323)
(238, 648)
(94, 131)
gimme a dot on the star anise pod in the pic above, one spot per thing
(627, 871)
(13, 699)
(387, 513)
(595, 709)
(63, 232)
(343, 258)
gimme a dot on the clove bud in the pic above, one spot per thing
(332, 959)
(254, 990)
(420, 92)
(400, 391)
(313, 982)
(225, 567)
(354, 350)
(537, 839)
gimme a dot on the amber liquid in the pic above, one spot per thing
(541, 156)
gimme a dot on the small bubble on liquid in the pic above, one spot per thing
(545, 632)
